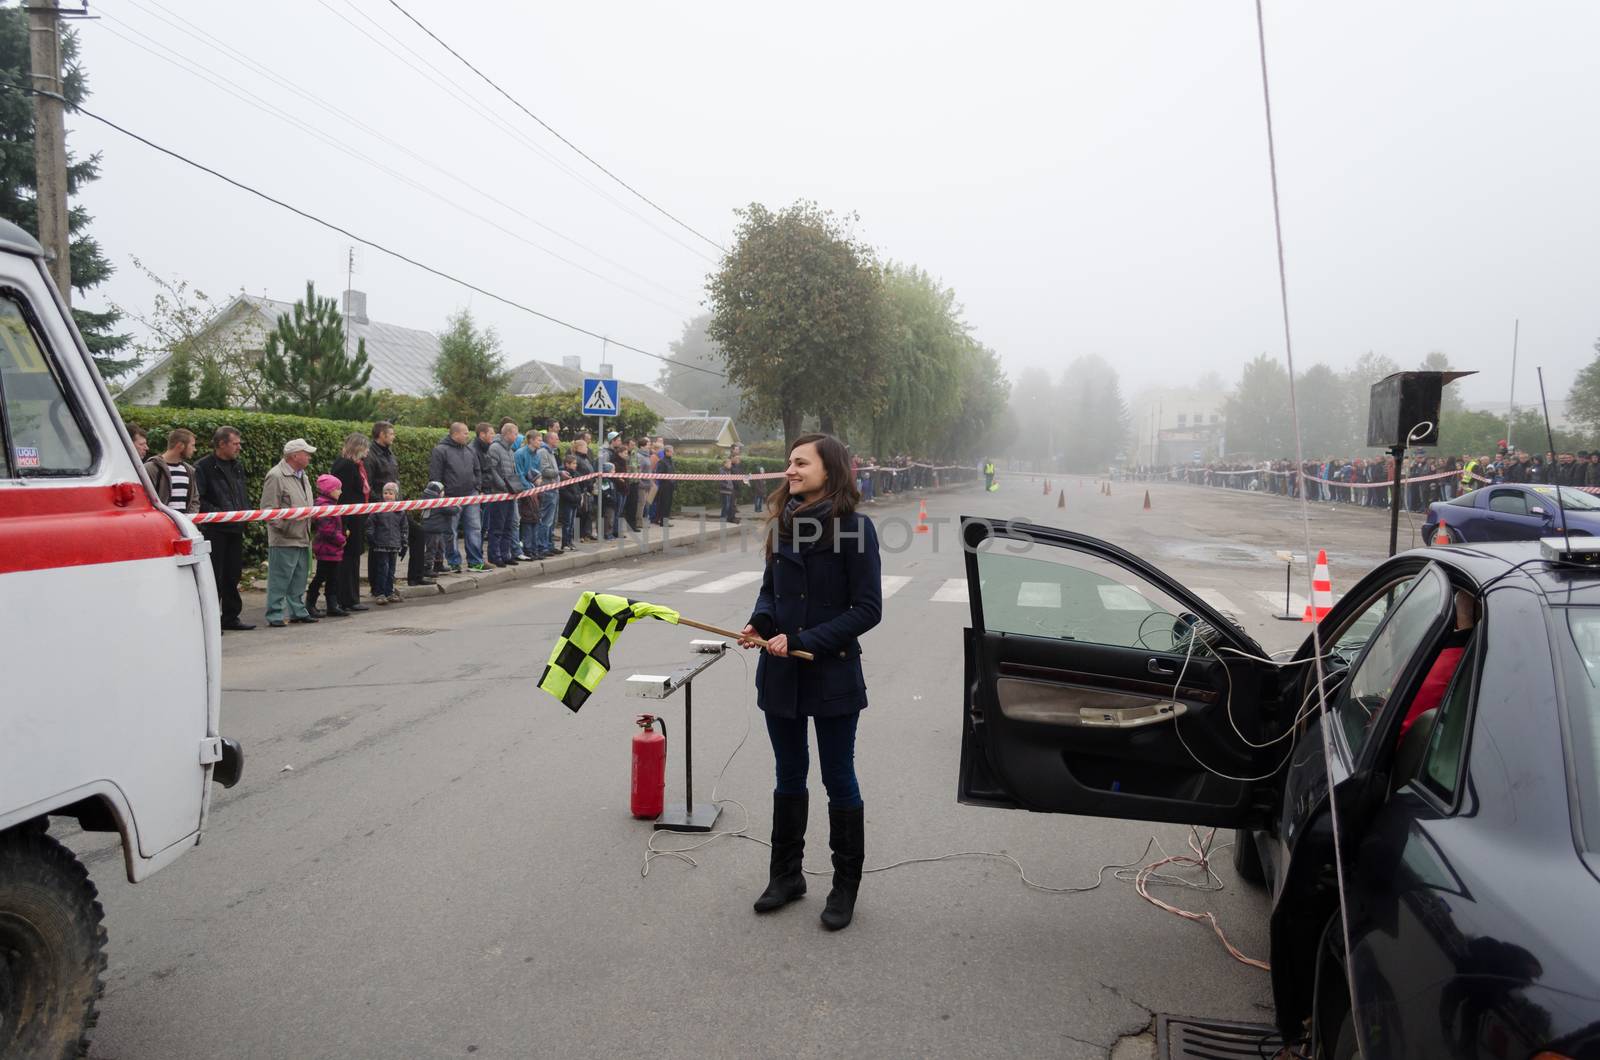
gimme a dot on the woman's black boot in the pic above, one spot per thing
(846, 837)
(787, 877)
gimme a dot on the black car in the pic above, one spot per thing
(1463, 686)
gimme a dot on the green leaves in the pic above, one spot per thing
(306, 368)
(470, 373)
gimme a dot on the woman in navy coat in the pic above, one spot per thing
(821, 591)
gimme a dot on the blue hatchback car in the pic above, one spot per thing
(1513, 512)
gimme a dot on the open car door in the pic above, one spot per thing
(1097, 685)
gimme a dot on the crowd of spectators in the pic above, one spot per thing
(1366, 481)
(440, 541)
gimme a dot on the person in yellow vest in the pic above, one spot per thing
(988, 476)
(1467, 472)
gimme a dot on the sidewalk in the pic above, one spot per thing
(688, 532)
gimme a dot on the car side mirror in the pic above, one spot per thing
(1536, 510)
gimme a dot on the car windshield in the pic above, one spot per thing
(1571, 499)
(1583, 711)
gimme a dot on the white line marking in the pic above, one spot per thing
(656, 581)
(953, 591)
(893, 583)
(728, 583)
(1218, 601)
(1274, 602)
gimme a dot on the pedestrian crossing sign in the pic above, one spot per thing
(600, 397)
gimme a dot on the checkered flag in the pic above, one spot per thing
(582, 655)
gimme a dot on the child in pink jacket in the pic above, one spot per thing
(327, 544)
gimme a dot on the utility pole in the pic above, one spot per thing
(50, 141)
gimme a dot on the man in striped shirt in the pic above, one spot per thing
(173, 475)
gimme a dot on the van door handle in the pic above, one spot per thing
(1155, 667)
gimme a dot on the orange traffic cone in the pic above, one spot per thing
(1321, 590)
(922, 518)
(1147, 500)
(1061, 500)
(1442, 535)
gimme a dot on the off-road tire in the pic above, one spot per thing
(1246, 858)
(52, 949)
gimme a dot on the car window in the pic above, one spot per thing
(1572, 500)
(1040, 590)
(42, 430)
(1441, 770)
(1510, 502)
(1373, 679)
(1583, 713)
(1345, 647)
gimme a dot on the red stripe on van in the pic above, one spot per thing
(42, 527)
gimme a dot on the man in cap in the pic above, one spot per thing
(288, 540)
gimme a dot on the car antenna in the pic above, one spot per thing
(1550, 439)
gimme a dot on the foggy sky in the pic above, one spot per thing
(1089, 178)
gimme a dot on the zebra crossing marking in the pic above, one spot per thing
(953, 591)
(656, 581)
(893, 583)
(728, 582)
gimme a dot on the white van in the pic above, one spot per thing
(110, 662)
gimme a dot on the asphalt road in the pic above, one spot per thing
(430, 858)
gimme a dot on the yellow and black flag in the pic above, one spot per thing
(582, 655)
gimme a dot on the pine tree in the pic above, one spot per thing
(469, 372)
(180, 382)
(305, 369)
(213, 391)
(19, 183)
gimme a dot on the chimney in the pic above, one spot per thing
(573, 362)
(355, 307)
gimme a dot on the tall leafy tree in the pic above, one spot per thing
(19, 183)
(1038, 427)
(184, 322)
(1327, 420)
(1259, 423)
(925, 348)
(1091, 401)
(1583, 400)
(212, 392)
(305, 369)
(1451, 400)
(470, 372)
(983, 424)
(693, 389)
(797, 309)
(180, 381)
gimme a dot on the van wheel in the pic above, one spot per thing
(52, 948)
(1246, 858)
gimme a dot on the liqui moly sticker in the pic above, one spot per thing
(27, 456)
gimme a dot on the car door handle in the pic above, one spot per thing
(1155, 666)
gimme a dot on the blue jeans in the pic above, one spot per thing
(380, 572)
(836, 746)
(528, 537)
(548, 507)
(470, 519)
(569, 524)
(502, 542)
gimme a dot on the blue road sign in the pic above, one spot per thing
(600, 397)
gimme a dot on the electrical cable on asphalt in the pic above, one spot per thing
(1305, 513)
(186, 160)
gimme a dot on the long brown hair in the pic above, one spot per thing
(838, 488)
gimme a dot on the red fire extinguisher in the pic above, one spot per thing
(649, 767)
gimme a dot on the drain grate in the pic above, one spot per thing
(403, 631)
(1189, 1038)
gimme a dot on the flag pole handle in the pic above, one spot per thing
(807, 656)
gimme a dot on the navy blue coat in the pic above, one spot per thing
(824, 597)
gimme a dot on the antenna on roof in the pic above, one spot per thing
(1550, 438)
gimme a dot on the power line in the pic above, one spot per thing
(455, 90)
(214, 43)
(581, 153)
(424, 266)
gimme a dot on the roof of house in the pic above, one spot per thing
(694, 428)
(401, 358)
(543, 377)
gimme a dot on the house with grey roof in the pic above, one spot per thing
(698, 433)
(401, 358)
(546, 377)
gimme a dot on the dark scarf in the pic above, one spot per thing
(817, 511)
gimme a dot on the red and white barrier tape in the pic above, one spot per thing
(320, 511)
